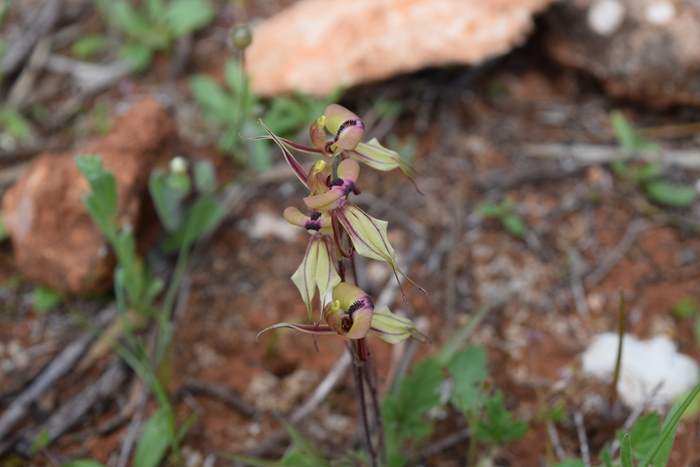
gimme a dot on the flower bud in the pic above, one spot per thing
(317, 133)
(241, 37)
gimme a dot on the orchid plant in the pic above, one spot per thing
(338, 230)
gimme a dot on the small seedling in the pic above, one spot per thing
(504, 212)
(233, 110)
(688, 308)
(154, 25)
(45, 299)
(648, 177)
(14, 125)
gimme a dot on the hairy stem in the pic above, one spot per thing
(371, 376)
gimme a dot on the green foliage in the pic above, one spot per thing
(45, 299)
(686, 308)
(88, 46)
(504, 212)
(83, 463)
(14, 124)
(154, 25)
(154, 440)
(233, 111)
(629, 138)
(666, 193)
(3, 231)
(132, 280)
(469, 372)
(649, 175)
(185, 221)
(570, 463)
(498, 425)
(404, 409)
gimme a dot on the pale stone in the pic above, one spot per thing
(652, 371)
(316, 46)
(606, 16)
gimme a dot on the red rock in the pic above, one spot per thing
(317, 45)
(55, 241)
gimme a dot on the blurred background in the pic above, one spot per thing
(556, 148)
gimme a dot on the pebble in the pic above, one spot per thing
(606, 16)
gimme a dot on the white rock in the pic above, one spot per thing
(645, 366)
(660, 13)
(605, 16)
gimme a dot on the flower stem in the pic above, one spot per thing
(358, 374)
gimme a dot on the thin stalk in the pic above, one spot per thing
(371, 376)
(471, 450)
(358, 374)
(166, 310)
(620, 341)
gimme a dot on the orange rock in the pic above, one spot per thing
(317, 45)
(55, 241)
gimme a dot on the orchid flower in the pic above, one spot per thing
(317, 268)
(338, 132)
(352, 315)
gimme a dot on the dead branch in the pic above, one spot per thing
(60, 365)
(591, 154)
(226, 395)
(21, 46)
(74, 409)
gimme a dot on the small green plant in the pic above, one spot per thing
(154, 25)
(233, 112)
(649, 176)
(88, 46)
(504, 212)
(688, 308)
(186, 216)
(14, 124)
(45, 299)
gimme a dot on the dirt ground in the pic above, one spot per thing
(590, 237)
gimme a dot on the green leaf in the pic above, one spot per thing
(468, 370)
(166, 201)
(670, 194)
(686, 308)
(644, 435)
(662, 449)
(498, 425)
(83, 463)
(136, 55)
(286, 115)
(88, 46)
(41, 441)
(626, 451)
(514, 225)
(12, 122)
(201, 217)
(45, 299)
(627, 135)
(571, 463)
(696, 328)
(154, 440)
(204, 177)
(403, 410)
(122, 15)
(3, 231)
(490, 210)
(302, 453)
(101, 202)
(186, 16)
(216, 104)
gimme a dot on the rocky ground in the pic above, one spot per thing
(512, 127)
